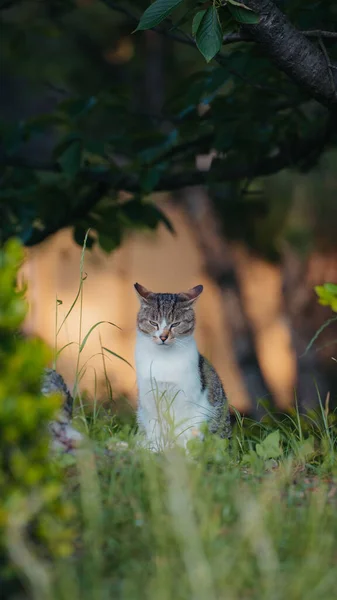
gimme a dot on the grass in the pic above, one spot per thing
(256, 520)
(253, 520)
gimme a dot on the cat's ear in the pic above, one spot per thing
(191, 295)
(143, 294)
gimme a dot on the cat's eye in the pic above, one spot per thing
(176, 324)
(154, 323)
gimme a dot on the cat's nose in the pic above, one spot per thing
(163, 337)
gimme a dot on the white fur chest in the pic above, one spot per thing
(171, 405)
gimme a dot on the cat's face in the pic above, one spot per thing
(166, 318)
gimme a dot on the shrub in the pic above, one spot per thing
(33, 511)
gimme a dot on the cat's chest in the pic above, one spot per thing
(168, 367)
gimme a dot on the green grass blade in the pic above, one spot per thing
(84, 341)
(118, 356)
(64, 347)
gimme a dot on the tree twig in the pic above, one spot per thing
(320, 33)
(329, 65)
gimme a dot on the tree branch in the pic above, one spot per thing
(287, 47)
(292, 52)
(73, 214)
(231, 38)
(319, 33)
(302, 151)
(295, 153)
(188, 40)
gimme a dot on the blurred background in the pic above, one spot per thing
(222, 174)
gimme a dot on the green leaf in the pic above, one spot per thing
(77, 107)
(117, 356)
(79, 234)
(149, 179)
(71, 158)
(196, 21)
(84, 341)
(327, 295)
(270, 447)
(109, 242)
(64, 347)
(306, 448)
(163, 218)
(331, 288)
(140, 214)
(156, 13)
(242, 13)
(209, 34)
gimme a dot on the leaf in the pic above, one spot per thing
(110, 242)
(117, 356)
(196, 21)
(146, 214)
(64, 347)
(209, 34)
(71, 158)
(327, 295)
(270, 447)
(242, 13)
(149, 179)
(84, 341)
(331, 288)
(306, 448)
(156, 13)
(79, 234)
(185, 17)
(77, 107)
(163, 218)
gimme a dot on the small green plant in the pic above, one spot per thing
(327, 295)
(34, 518)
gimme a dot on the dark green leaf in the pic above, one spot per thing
(79, 234)
(196, 21)
(156, 13)
(209, 34)
(140, 214)
(243, 14)
(149, 178)
(117, 356)
(109, 242)
(85, 339)
(71, 158)
(76, 107)
(163, 218)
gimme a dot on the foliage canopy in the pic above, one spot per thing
(109, 111)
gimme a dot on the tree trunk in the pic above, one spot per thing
(305, 317)
(220, 266)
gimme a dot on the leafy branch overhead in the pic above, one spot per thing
(249, 83)
(267, 25)
(206, 23)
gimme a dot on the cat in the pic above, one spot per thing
(63, 436)
(178, 388)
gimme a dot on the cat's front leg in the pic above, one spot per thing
(151, 435)
(184, 435)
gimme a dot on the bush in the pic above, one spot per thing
(33, 512)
